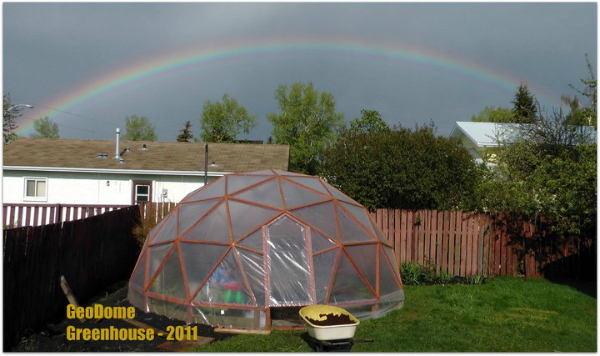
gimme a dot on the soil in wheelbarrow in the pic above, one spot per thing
(332, 319)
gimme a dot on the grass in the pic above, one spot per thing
(505, 314)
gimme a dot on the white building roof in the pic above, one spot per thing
(484, 134)
(487, 134)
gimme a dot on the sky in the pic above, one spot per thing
(88, 66)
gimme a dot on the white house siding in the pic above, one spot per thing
(471, 147)
(92, 188)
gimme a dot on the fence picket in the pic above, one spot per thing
(397, 242)
(433, 236)
(403, 239)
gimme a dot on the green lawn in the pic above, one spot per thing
(505, 314)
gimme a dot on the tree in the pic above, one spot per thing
(45, 128)
(370, 121)
(577, 115)
(525, 108)
(9, 117)
(402, 168)
(492, 114)
(186, 133)
(138, 128)
(588, 114)
(223, 120)
(549, 170)
(308, 123)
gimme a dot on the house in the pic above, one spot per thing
(44, 171)
(481, 138)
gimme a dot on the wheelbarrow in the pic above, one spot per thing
(329, 338)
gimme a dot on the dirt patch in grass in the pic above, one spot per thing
(53, 338)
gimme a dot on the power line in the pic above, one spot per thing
(75, 114)
(68, 126)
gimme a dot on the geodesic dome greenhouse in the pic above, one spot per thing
(248, 246)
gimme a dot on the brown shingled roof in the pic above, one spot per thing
(167, 156)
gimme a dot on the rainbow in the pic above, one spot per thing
(102, 86)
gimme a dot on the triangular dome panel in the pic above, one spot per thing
(389, 284)
(314, 183)
(320, 216)
(361, 215)
(340, 196)
(390, 255)
(190, 213)
(253, 241)
(236, 183)
(347, 284)
(296, 196)
(267, 194)
(138, 274)
(246, 217)
(253, 265)
(156, 258)
(363, 256)
(323, 265)
(199, 260)
(215, 189)
(378, 233)
(213, 228)
(169, 280)
(320, 242)
(351, 231)
(168, 231)
(225, 285)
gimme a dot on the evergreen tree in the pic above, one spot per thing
(186, 133)
(524, 106)
(9, 119)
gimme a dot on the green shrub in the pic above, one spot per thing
(411, 272)
(478, 279)
(445, 277)
(427, 273)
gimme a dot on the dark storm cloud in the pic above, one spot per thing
(56, 48)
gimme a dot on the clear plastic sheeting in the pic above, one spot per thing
(289, 272)
(249, 248)
(226, 284)
(229, 318)
(268, 194)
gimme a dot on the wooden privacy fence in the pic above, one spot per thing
(490, 244)
(18, 215)
(466, 244)
(91, 253)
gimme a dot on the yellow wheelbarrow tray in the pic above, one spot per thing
(329, 332)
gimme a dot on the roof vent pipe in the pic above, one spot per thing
(117, 154)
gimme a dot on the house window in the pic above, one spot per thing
(35, 188)
(142, 191)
